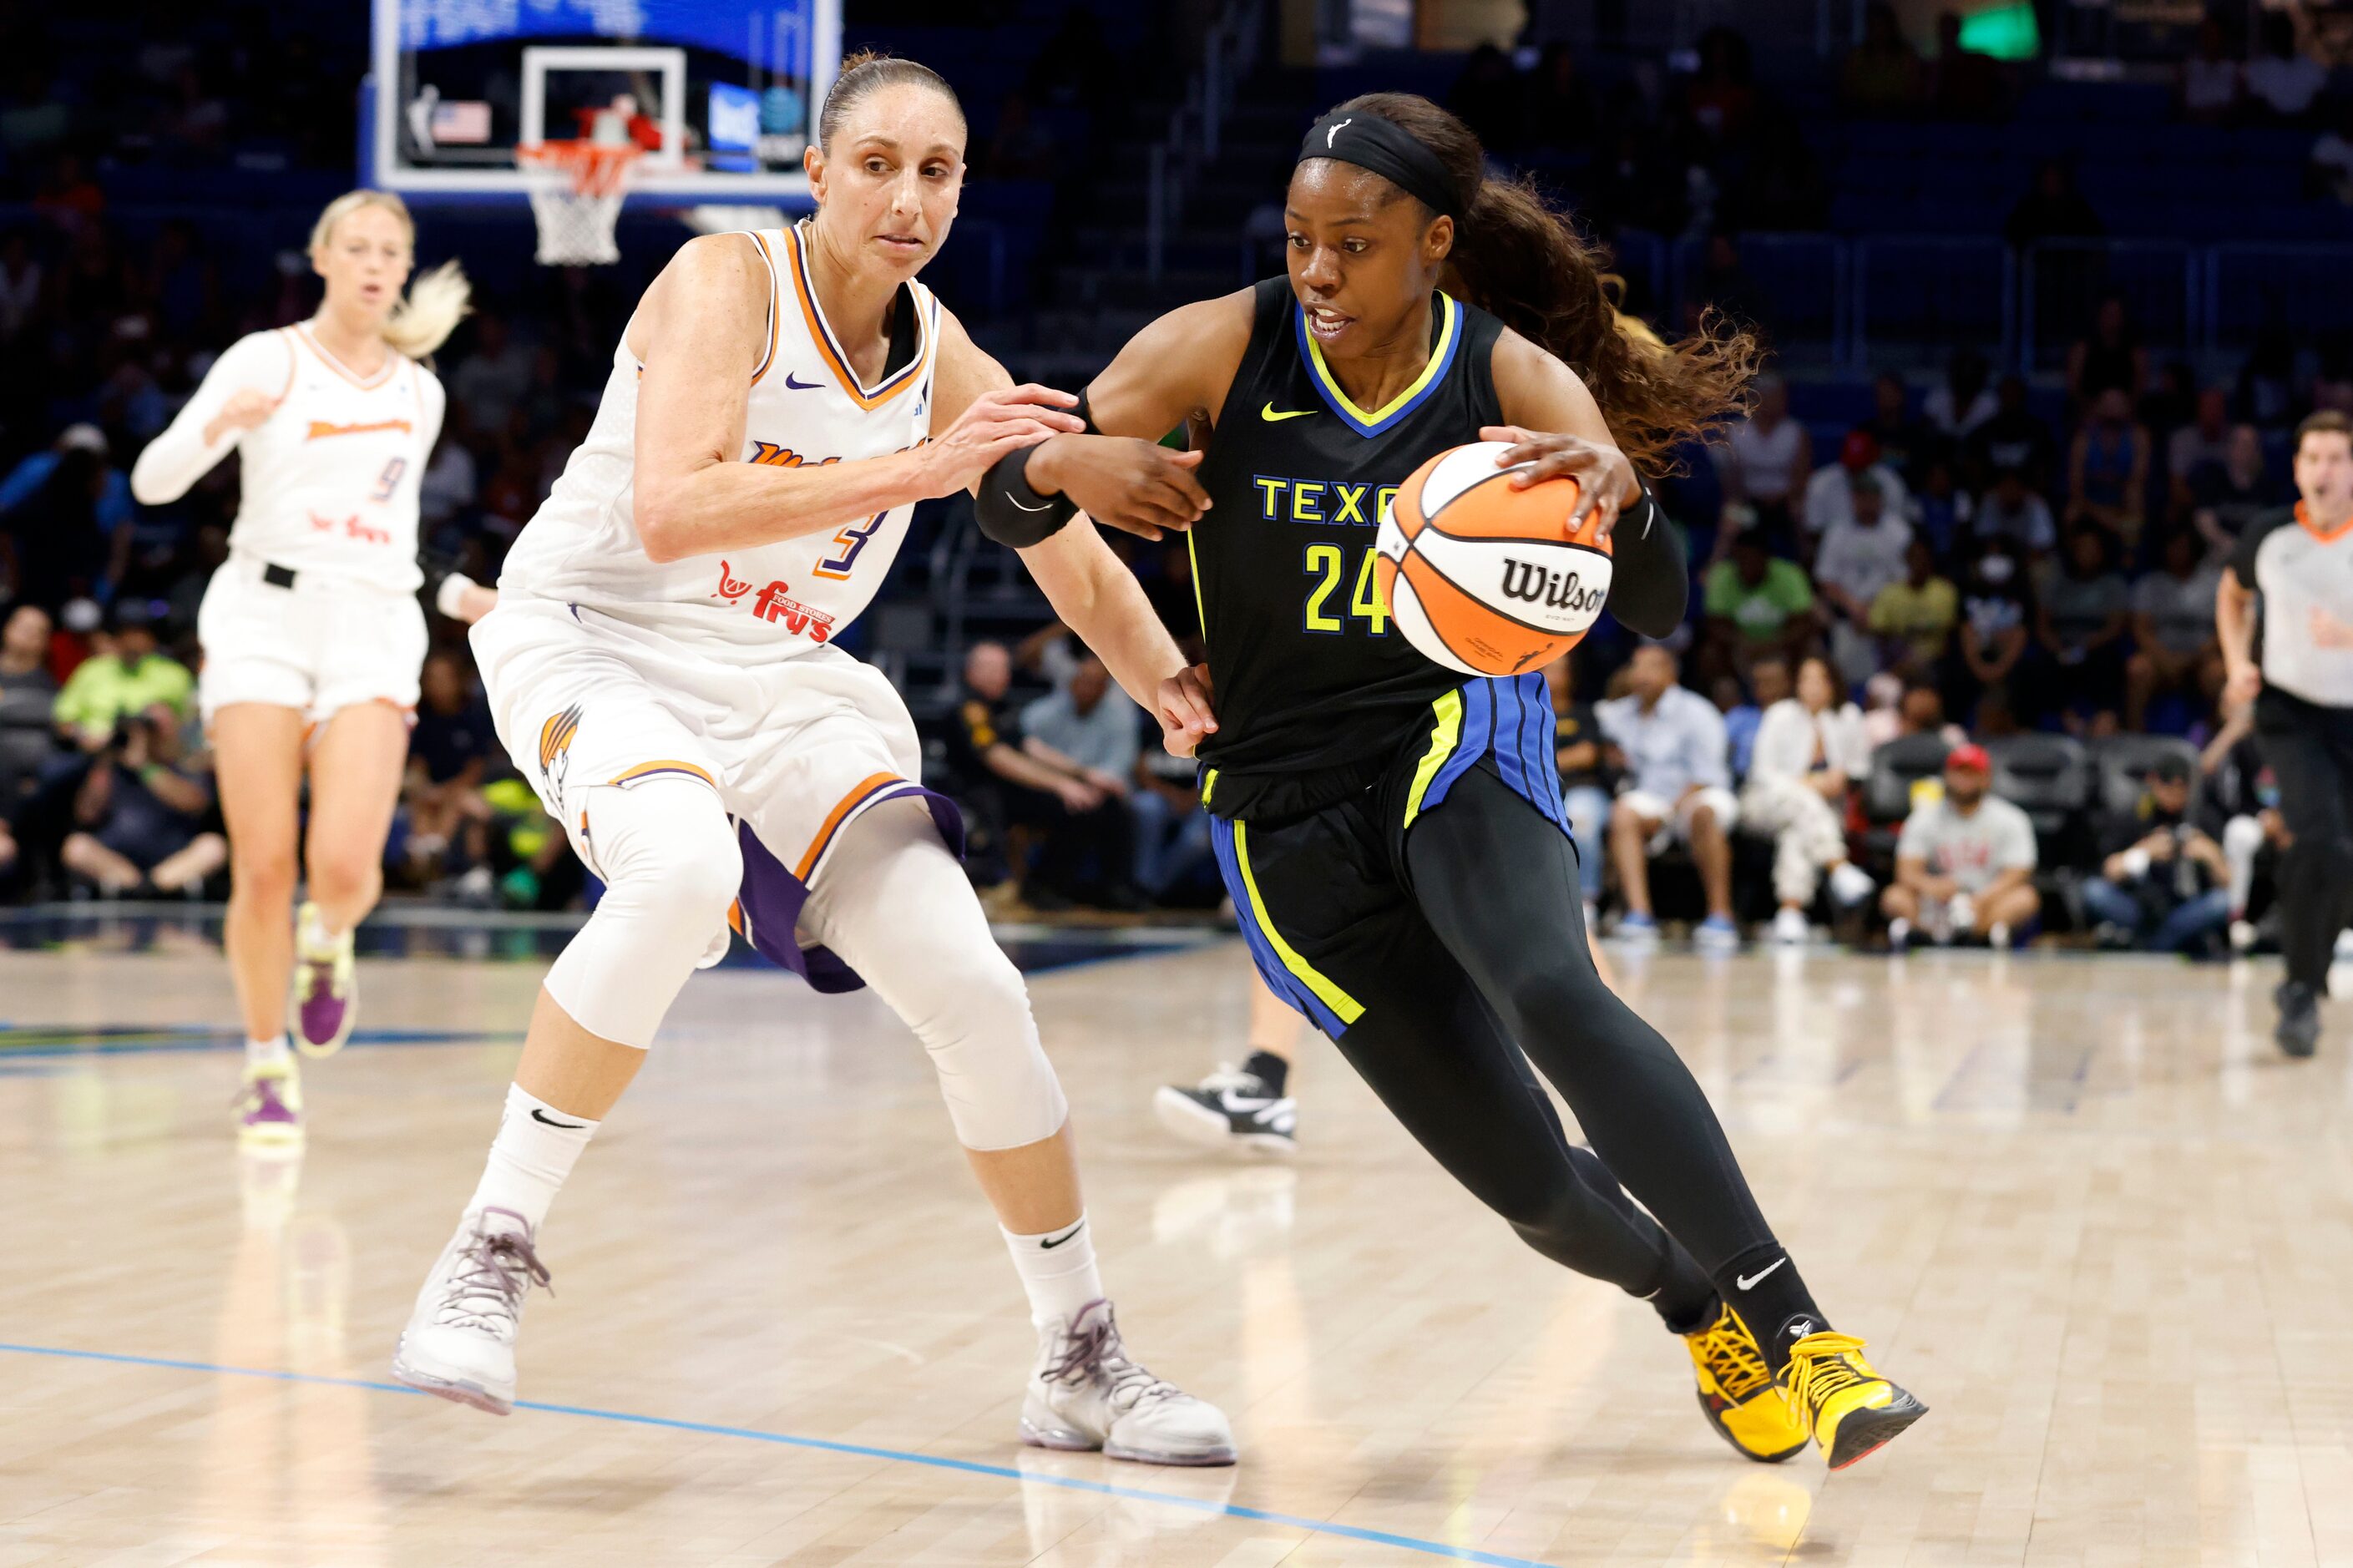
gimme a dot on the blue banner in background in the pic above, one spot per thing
(766, 28)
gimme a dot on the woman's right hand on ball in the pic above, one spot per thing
(996, 424)
(245, 410)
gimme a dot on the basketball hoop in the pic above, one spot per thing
(575, 197)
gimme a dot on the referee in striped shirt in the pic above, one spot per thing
(2297, 561)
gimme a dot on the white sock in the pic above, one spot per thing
(1057, 1270)
(530, 1158)
(266, 1053)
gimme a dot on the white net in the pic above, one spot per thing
(576, 191)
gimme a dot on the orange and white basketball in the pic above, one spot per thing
(1484, 578)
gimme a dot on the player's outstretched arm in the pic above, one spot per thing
(243, 388)
(699, 334)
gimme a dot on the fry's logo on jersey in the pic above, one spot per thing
(773, 605)
(353, 529)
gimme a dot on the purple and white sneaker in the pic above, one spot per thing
(269, 1106)
(326, 1001)
(1086, 1395)
(460, 1342)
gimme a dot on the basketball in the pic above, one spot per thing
(1484, 578)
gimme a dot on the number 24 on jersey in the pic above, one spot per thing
(1327, 615)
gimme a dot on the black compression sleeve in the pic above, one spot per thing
(1651, 576)
(1013, 514)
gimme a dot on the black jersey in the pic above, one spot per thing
(1317, 690)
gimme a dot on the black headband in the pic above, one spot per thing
(1388, 150)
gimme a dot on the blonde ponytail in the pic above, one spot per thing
(437, 302)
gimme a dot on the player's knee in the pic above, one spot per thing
(2242, 836)
(344, 876)
(668, 850)
(261, 875)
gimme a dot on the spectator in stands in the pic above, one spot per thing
(1756, 605)
(126, 676)
(140, 814)
(28, 696)
(1861, 554)
(1743, 707)
(2111, 358)
(2053, 209)
(2080, 627)
(2239, 806)
(1087, 729)
(2223, 499)
(1810, 750)
(1173, 849)
(66, 518)
(2202, 444)
(2328, 169)
(1084, 829)
(1830, 493)
(1906, 444)
(2173, 628)
(1960, 403)
(492, 379)
(2107, 469)
(2210, 77)
(2163, 884)
(1965, 85)
(1920, 711)
(1913, 618)
(1964, 862)
(1588, 764)
(1763, 462)
(449, 755)
(1881, 76)
(2014, 438)
(1721, 97)
(2283, 82)
(2012, 512)
(1679, 778)
(1943, 513)
(1996, 619)
(1559, 112)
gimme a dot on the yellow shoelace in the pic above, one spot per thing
(1823, 1364)
(1732, 1358)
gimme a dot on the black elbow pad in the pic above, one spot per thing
(1010, 513)
(1650, 587)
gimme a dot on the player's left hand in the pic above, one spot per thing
(1605, 479)
(1187, 712)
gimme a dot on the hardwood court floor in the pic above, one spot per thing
(2081, 1207)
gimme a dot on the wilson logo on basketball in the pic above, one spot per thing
(1553, 590)
(776, 605)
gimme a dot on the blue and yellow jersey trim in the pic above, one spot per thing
(1507, 718)
(1285, 970)
(830, 349)
(1441, 360)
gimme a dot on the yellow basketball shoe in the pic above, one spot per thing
(1850, 1409)
(1738, 1394)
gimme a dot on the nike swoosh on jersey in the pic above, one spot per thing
(792, 385)
(1272, 417)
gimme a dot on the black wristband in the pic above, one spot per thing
(1013, 514)
(1650, 587)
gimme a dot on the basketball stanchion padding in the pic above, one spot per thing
(1485, 578)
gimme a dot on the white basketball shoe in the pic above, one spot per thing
(460, 1342)
(1085, 1395)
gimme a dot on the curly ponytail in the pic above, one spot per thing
(1519, 260)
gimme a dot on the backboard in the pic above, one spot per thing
(721, 94)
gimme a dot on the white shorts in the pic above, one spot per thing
(321, 646)
(796, 748)
(1676, 821)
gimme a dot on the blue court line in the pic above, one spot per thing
(30, 1040)
(822, 1444)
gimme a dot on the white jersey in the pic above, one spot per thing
(806, 406)
(328, 483)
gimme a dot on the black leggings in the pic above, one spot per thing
(1471, 952)
(2310, 750)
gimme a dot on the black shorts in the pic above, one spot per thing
(1326, 899)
